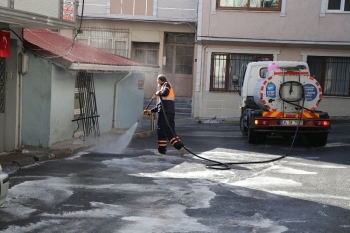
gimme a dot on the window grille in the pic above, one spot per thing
(111, 40)
(333, 74)
(146, 52)
(227, 70)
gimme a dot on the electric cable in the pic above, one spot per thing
(217, 165)
(71, 46)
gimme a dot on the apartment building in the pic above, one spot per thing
(157, 32)
(232, 33)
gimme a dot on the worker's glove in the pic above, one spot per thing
(147, 112)
(157, 93)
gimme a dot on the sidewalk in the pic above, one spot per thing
(28, 155)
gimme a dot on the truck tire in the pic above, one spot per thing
(244, 130)
(261, 138)
(252, 137)
(317, 139)
(321, 139)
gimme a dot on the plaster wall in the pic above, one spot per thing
(170, 10)
(301, 22)
(50, 8)
(139, 31)
(62, 105)
(144, 32)
(10, 119)
(36, 102)
(129, 101)
(4, 3)
(227, 105)
(11, 99)
(104, 90)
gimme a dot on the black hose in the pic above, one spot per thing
(226, 166)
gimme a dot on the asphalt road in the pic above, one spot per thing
(134, 191)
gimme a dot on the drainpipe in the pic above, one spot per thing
(19, 109)
(202, 79)
(116, 98)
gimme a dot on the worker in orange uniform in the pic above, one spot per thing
(167, 105)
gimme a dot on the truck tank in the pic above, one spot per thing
(287, 89)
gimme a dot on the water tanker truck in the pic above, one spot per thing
(280, 98)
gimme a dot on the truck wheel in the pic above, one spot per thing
(317, 139)
(262, 138)
(321, 139)
(244, 130)
(252, 138)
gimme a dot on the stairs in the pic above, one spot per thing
(183, 105)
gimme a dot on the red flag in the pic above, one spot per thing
(5, 44)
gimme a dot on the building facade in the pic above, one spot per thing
(15, 15)
(158, 32)
(232, 33)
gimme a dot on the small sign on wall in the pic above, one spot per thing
(141, 84)
(68, 10)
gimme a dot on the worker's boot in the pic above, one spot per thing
(182, 151)
(159, 154)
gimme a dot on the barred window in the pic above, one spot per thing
(146, 52)
(111, 40)
(333, 74)
(261, 5)
(227, 70)
(2, 84)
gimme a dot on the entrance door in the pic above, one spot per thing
(179, 49)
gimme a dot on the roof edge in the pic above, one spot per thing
(109, 68)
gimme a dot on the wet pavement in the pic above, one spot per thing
(29, 155)
(135, 191)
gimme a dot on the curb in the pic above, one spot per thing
(37, 158)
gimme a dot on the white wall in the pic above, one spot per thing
(62, 105)
(130, 101)
(36, 102)
(48, 102)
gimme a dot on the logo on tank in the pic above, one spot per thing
(271, 90)
(310, 92)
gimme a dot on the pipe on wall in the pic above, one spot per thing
(116, 98)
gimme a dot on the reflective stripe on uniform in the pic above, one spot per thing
(174, 140)
(162, 143)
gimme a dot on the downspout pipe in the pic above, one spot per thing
(115, 104)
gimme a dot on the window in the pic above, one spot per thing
(338, 6)
(111, 40)
(268, 5)
(2, 84)
(227, 70)
(146, 52)
(179, 49)
(333, 74)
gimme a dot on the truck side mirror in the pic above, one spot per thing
(234, 80)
